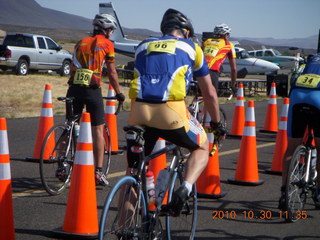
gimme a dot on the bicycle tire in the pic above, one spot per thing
(184, 226)
(107, 150)
(296, 193)
(135, 226)
(56, 159)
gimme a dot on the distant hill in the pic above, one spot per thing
(29, 16)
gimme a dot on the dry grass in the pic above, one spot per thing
(21, 96)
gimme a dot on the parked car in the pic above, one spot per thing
(24, 52)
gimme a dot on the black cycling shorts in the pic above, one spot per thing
(91, 98)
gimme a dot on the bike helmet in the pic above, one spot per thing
(104, 21)
(173, 19)
(221, 29)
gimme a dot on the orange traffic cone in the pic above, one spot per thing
(111, 119)
(238, 115)
(6, 207)
(271, 120)
(247, 167)
(45, 123)
(281, 140)
(81, 218)
(208, 183)
(158, 163)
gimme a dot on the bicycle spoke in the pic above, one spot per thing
(56, 160)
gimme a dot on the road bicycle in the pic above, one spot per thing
(196, 109)
(59, 147)
(118, 221)
(302, 175)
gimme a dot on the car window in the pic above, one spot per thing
(259, 54)
(42, 44)
(268, 54)
(19, 40)
(51, 44)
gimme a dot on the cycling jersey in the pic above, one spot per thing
(164, 68)
(216, 51)
(310, 77)
(305, 89)
(88, 59)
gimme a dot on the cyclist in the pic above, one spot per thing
(164, 68)
(216, 50)
(305, 89)
(90, 55)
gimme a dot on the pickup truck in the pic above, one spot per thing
(23, 52)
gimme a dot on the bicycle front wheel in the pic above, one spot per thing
(184, 226)
(296, 192)
(120, 219)
(56, 159)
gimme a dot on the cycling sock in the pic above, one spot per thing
(98, 169)
(188, 186)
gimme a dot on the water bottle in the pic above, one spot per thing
(76, 129)
(313, 163)
(161, 186)
(151, 190)
(313, 158)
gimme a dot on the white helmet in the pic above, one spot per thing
(104, 21)
(221, 29)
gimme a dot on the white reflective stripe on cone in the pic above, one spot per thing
(84, 158)
(249, 131)
(85, 135)
(4, 147)
(5, 171)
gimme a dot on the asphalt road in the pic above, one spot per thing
(37, 215)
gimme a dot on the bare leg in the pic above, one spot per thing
(98, 145)
(196, 163)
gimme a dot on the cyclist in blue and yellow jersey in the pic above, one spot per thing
(163, 70)
(216, 50)
(90, 55)
(305, 90)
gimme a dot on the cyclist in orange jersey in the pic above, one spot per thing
(216, 50)
(90, 55)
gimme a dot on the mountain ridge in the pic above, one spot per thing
(31, 15)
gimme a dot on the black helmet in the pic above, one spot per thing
(173, 19)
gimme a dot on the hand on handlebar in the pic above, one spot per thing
(218, 130)
(120, 97)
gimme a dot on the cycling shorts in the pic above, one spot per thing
(215, 78)
(91, 98)
(297, 122)
(170, 121)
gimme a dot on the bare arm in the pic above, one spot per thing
(210, 97)
(113, 76)
(233, 67)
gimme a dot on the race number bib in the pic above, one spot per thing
(162, 46)
(210, 51)
(308, 80)
(83, 77)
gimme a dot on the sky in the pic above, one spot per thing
(279, 19)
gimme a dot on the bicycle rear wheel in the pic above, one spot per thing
(56, 159)
(184, 226)
(107, 150)
(296, 192)
(118, 222)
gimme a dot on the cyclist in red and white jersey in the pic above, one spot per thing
(216, 50)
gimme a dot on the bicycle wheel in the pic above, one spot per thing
(107, 150)
(118, 222)
(184, 226)
(56, 159)
(296, 193)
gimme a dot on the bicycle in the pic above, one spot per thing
(196, 109)
(301, 177)
(138, 222)
(59, 147)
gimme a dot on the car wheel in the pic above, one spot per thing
(22, 67)
(65, 68)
